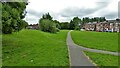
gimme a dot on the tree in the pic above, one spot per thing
(57, 24)
(64, 25)
(12, 15)
(47, 16)
(74, 24)
(47, 25)
(21, 24)
(86, 20)
(102, 19)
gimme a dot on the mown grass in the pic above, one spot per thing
(0, 50)
(103, 59)
(35, 48)
(96, 40)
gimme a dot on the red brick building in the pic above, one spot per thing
(33, 26)
(106, 26)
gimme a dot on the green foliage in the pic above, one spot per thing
(48, 25)
(74, 24)
(21, 24)
(77, 23)
(12, 15)
(95, 19)
(86, 20)
(47, 16)
(64, 25)
(46, 49)
(57, 24)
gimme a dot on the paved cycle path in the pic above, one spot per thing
(98, 51)
(77, 57)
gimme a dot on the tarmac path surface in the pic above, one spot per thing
(77, 56)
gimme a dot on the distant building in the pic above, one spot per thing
(106, 26)
(89, 26)
(33, 26)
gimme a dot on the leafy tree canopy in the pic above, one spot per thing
(12, 16)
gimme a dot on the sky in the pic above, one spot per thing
(65, 10)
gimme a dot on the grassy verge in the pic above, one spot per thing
(103, 59)
(96, 40)
(35, 48)
(0, 50)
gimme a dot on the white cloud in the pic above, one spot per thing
(55, 7)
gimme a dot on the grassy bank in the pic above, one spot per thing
(35, 48)
(96, 40)
(103, 59)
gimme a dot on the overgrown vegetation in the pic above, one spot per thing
(35, 48)
(12, 15)
(47, 24)
(96, 40)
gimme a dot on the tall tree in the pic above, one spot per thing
(86, 20)
(12, 15)
(74, 24)
(47, 16)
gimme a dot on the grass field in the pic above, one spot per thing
(35, 48)
(103, 59)
(0, 50)
(96, 40)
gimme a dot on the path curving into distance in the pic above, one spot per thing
(77, 56)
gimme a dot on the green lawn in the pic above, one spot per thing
(96, 40)
(35, 48)
(103, 59)
(119, 42)
(0, 50)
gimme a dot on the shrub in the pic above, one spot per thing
(47, 25)
(57, 29)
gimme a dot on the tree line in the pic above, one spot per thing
(48, 25)
(13, 14)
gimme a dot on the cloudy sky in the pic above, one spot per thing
(65, 10)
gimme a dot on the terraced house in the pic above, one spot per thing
(33, 26)
(106, 26)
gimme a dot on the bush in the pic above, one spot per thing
(47, 25)
(7, 29)
(77, 28)
(57, 29)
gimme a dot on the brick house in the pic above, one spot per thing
(114, 25)
(106, 26)
(89, 26)
(102, 26)
(33, 26)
